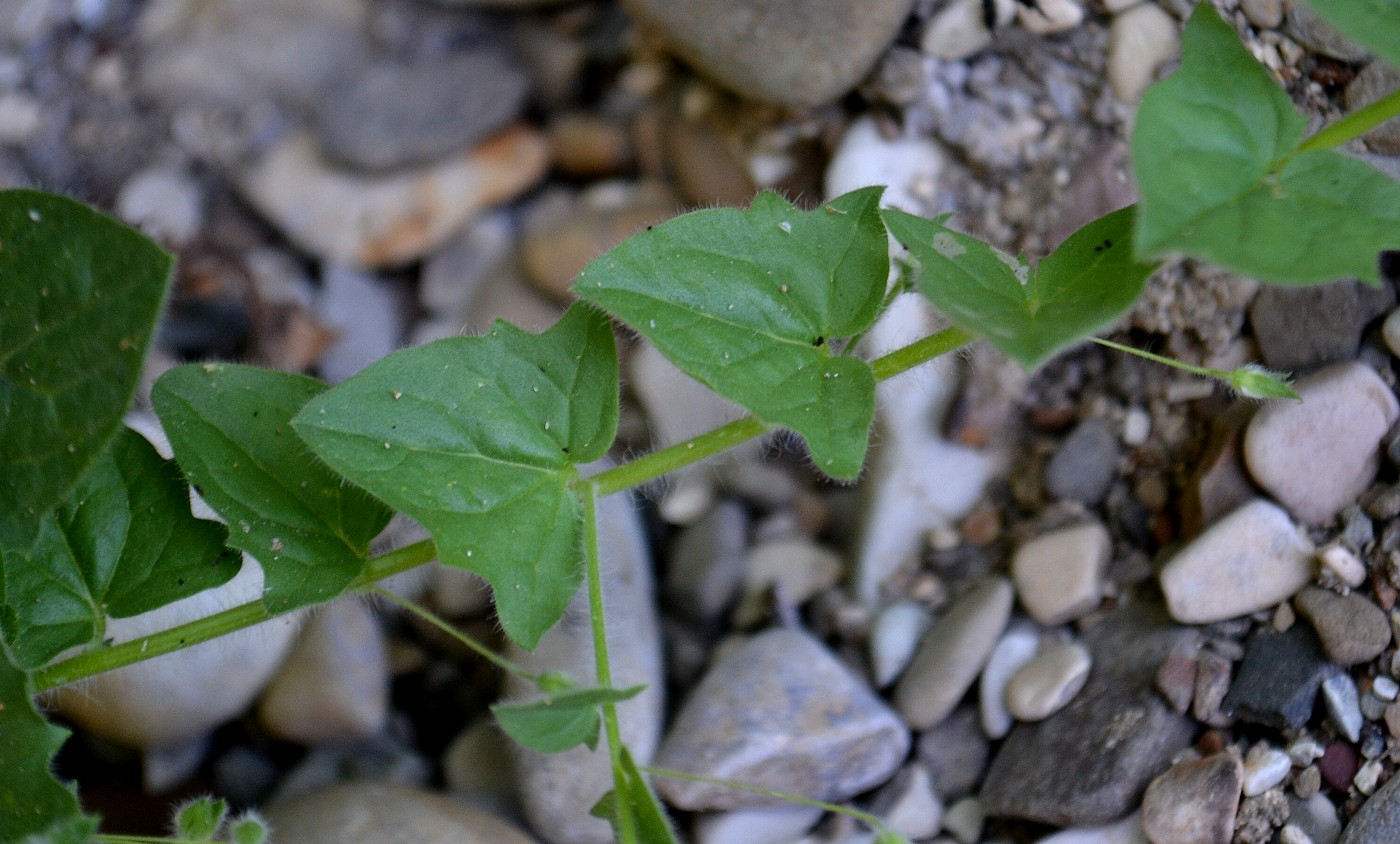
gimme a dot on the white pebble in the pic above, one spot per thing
(1385, 688)
(1339, 695)
(1291, 834)
(894, 637)
(1140, 39)
(1366, 778)
(958, 32)
(1137, 426)
(1264, 768)
(1305, 751)
(165, 204)
(1050, 16)
(1339, 560)
(1016, 647)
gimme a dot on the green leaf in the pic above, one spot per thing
(79, 296)
(247, 830)
(1213, 154)
(749, 302)
(1374, 24)
(648, 818)
(558, 722)
(1030, 313)
(476, 438)
(123, 543)
(230, 429)
(200, 820)
(34, 807)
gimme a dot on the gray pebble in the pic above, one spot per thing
(955, 753)
(707, 563)
(1085, 463)
(1309, 29)
(1352, 629)
(1299, 328)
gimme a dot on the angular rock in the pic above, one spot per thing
(389, 220)
(334, 686)
(1088, 764)
(1278, 678)
(1316, 456)
(1059, 576)
(1194, 802)
(1048, 682)
(1085, 464)
(391, 114)
(953, 653)
(783, 51)
(1352, 629)
(779, 711)
(1343, 705)
(1252, 559)
(378, 813)
(559, 789)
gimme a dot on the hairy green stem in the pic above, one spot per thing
(1162, 359)
(864, 817)
(594, 573)
(98, 660)
(475, 646)
(1355, 124)
(627, 476)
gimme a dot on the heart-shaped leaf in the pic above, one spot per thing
(477, 439)
(1372, 23)
(123, 543)
(230, 427)
(1213, 152)
(749, 302)
(560, 721)
(79, 296)
(33, 805)
(1028, 312)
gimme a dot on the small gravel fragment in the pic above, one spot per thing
(1264, 768)
(1340, 560)
(1339, 695)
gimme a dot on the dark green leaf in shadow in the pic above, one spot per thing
(123, 543)
(79, 297)
(230, 427)
(639, 800)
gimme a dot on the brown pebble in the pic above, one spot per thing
(1212, 682)
(1392, 719)
(1212, 742)
(1194, 802)
(588, 146)
(1385, 592)
(1338, 765)
(1176, 676)
(982, 526)
(1352, 629)
(1052, 420)
(1151, 491)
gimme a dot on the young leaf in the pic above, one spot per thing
(1030, 313)
(79, 296)
(748, 303)
(1213, 154)
(476, 438)
(230, 429)
(556, 723)
(200, 820)
(1374, 24)
(123, 543)
(247, 829)
(648, 818)
(33, 805)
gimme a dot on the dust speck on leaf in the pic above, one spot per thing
(947, 246)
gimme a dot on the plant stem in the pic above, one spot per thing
(478, 648)
(593, 571)
(627, 476)
(1354, 125)
(866, 818)
(1162, 359)
(98, 660)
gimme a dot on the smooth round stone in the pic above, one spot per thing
(1316, 456)
(957, 32)
(793, 52)
(1352, 629)
(395, 114)
(953, 653)
(781, 712)
(1140, 40)
(365, 316)
(1085, 464)
(334, 687)
(894, 636)
(1048, 682)
(1194, 802)
(167, 205)
(1250, 560)
(1265, 14)
(1016, 647)
(1059, 576)
(365, 220)
(964, 820)
(909, 167)
(378, 813)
